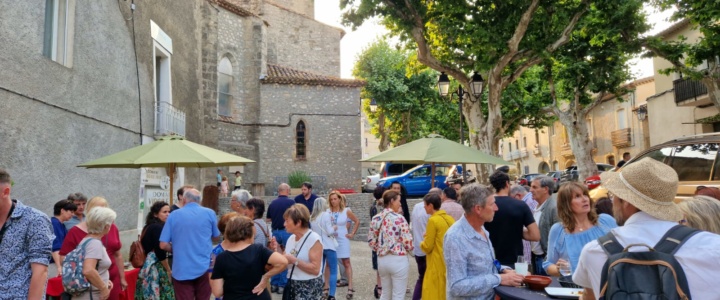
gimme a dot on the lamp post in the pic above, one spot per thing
(373, 105)
(641, 112)
(476, 85)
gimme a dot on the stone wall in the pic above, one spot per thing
(55, 117)
(304, 7)
(332, 121)
(300, 42)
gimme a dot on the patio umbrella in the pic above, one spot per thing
(168, 152)
(435, 149)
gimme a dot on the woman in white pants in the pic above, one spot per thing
(390, 237)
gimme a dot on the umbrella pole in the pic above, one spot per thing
(432, 177)
(464, 176)
(172, 180)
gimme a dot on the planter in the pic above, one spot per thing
(295, 191)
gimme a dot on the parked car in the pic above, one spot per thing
(694, 158)
(571, 173)
(417, 180)
(392, 169)
(555, 175)
(370, 183)
(526, 178)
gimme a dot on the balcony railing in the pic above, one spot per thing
(621, 138)
(523, 152)
(689, 90)
(169, 120)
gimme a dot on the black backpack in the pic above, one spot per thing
(652, 274)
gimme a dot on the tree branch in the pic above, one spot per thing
(598, 99)
(565, 36)
(507, 80)
(514, 41)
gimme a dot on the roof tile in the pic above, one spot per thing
(285, 75)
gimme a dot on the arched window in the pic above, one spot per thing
(225, 79)
(300, 140)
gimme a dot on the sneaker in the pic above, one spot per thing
(273, 288)
(281, 290)
(341, 283)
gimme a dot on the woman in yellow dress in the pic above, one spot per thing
(432, 245)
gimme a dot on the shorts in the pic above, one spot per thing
(374, 260)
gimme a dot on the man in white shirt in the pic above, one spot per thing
(643, 194)
(419, 225)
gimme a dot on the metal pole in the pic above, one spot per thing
(461, 93)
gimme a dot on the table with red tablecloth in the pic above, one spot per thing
(55, 288)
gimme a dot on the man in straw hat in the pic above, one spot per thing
(643, 194)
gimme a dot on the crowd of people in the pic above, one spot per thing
(468, 255)
(466, 240)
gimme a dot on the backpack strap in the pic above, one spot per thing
(675, 238)
(610, 244)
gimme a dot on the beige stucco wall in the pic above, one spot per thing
(605, 120)
(526, 139)
(666, 120)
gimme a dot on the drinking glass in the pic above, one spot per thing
(521, 266)
(565, 268)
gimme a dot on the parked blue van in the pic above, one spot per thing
(417, 180)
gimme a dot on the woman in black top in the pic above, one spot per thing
(154, 278)
(239, 271)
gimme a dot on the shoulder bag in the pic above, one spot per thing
(290, 293)
(137, 254)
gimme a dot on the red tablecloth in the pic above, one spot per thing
(55, 288)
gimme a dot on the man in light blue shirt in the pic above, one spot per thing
(192, 231)
(470, 264)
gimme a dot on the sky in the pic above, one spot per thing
(354, 42)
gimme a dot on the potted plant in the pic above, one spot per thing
(296, 179)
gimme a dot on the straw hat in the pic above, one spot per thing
(647, 184)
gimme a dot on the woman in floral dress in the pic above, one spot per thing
(154, 278)
(390, 237)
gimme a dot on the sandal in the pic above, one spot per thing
(350, 294)
(377, 292)
(326, 291)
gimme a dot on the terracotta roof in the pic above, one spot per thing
(285, 75)
(225, 118)
(234, 6)
(673, 28)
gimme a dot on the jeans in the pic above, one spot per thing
(393, 271)
(330, 258)
(422, 266)
(281, 236)
(537, 265)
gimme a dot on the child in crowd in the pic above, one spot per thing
(224, 187)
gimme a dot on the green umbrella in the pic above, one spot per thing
(168, 152)
(436, 149)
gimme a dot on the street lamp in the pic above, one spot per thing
(641, 112)
(373, 105)
(476, 86)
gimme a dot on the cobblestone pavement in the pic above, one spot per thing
(364, 275)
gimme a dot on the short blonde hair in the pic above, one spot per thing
(298, 213)
(96, 202)
(100, 217)
(701, 212)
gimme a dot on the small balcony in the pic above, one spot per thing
(523, 152)
(536, 150)
(169, 120)
(690, 92)
(621, 138)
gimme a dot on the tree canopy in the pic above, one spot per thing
(409, 106)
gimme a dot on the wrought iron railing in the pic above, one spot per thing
(686, 89)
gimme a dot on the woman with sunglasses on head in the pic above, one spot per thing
(579, 224)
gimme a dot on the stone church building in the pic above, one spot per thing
(80, 80)
(271, 92)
